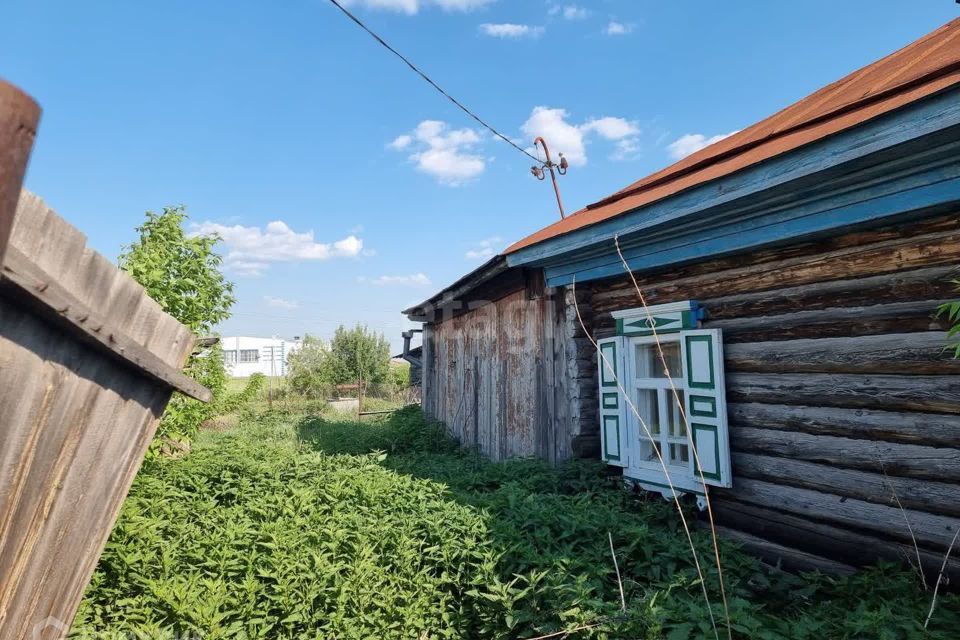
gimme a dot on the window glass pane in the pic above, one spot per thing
(675, 424)
(649, 364)
(679, 454)
(649, 410)
(230, 357)
(249, 355)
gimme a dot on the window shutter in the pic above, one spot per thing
(613, 422)
(706, 405)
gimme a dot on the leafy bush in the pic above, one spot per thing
(352, 355)
(311, 369)
(237, 401)
(952, 311)
(182, 273)
(323, 529)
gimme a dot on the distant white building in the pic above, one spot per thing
(245, 356)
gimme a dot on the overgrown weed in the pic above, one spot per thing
(323, 528)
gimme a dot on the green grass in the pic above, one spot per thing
(288, 527)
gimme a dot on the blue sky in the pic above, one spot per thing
(345, 187)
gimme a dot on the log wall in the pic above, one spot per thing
(842, 400)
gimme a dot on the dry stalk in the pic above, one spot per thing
(616, 566)
(674, 493)
(903, 512)
(686, 420)
(557, 634)
(943, 569)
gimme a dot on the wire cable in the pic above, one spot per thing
(431, 82)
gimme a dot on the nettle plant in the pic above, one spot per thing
(952, 311)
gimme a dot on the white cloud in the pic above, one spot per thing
(412, 7)
(484, 249)
(570, 12)
(401, 142)
(280, 303)
(412, 280)
(444, 153)
(615, 28)
(250, 250)
(693, 142)
(510, 30)
(571, 139)
(624, 133)
(561, 136)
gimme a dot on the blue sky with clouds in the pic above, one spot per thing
(346, 188)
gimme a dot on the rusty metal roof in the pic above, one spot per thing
(922, 68)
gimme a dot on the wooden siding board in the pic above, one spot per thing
(510, 359)
(80, 397)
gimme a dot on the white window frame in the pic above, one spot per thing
(256, 356)
(230, 356)
(650, 472)
(699, 380)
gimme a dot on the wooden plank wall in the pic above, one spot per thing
(503, 377)
(76, 418)
(841, 398)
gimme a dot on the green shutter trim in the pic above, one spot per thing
(616, 429)
(669, 322)
(608, 361)
(694, 427)
(690, 382)
(708, 413)
(610, 401)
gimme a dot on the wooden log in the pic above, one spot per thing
(886, 392)
(783, 556)
(931, 429)
(931, 531)
(903, 353)
(19, 116)
(902, 251)
(933, 283)
(932, 496)
(908, 460)
(896, 317)
(848, 546)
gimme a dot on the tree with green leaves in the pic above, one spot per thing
(352, 355)
(359, 354)
(310, 368)
(182, 273)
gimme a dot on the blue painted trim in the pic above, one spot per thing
(882, 179)
(741, 237)
(928, 116)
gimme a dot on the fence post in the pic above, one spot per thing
(19, 116)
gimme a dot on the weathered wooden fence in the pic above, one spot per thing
(88, 363)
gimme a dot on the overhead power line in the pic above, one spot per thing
(432, 83)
